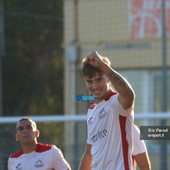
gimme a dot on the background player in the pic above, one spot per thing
(140, 154)
(34, 155)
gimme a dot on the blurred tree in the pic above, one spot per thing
(32, 68)
(33, 65)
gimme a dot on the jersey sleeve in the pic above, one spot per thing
(139, 145)
(9, 164)
(88, 137)
(58, 160)
(120, 110)
(89, 141)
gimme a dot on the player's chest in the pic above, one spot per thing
(33, 163)
(99, 116)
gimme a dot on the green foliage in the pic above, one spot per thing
(53, 136)
(33, 65)
(32, 68)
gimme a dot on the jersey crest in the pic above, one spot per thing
(102, 113)
(38, 164)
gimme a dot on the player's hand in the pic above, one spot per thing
(94, 59)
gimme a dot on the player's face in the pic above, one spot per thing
(26, 131)
(98, 86)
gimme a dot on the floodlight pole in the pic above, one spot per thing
(76, 36)
(163, 143)
(72, 53)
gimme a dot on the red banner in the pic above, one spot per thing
(145, 18)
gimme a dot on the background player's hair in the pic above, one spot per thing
(29, 119)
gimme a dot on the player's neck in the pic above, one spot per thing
(29, 147)
(107, 93)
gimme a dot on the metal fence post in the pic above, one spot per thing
(163, 143)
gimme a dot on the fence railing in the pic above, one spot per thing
(81, 117)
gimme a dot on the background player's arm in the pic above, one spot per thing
(142, 161)
(9, 164)
(126, 93)
(140, 152)
(86, 159)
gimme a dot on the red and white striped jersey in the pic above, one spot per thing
(45, 157)
(110, 133)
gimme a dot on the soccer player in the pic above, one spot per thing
(34, 155)
(110, 120)
(140, 154)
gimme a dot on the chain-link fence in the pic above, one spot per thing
(38, 78)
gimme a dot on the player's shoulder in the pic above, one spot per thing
(41, 147)
(92, 106)
(17, 154)
(135, 128)
(110, 96)
(136, 131)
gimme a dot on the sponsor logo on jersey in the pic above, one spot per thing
(38, 164)
(102, 114)
(19, 167)
(99, 135)
(82, 97)
(90, 120)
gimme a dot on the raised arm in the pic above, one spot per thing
(126, 94)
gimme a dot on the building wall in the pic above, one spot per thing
(103, 25)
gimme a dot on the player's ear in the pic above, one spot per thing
(37, 133)
(16, 137)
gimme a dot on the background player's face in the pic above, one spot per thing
(26, 131)
(98, 86)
